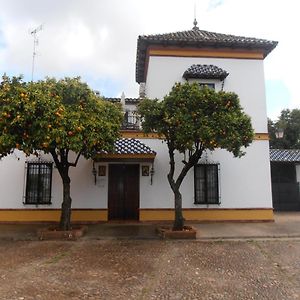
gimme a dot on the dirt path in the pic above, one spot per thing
(149, 270)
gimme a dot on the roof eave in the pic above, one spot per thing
(144, 44)
(134, 157)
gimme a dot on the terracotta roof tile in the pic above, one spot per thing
(205, 72)
(199, 39)
(285, 155)
(131, 146)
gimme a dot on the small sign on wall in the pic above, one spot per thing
(101, 170)
(145, 170)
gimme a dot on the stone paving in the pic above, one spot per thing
(149, 269)
(115, 261)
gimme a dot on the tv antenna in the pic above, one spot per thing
(35, 44)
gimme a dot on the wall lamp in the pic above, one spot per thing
(152, 171)
(94, 172)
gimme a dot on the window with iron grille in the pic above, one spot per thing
(38, 183)
(206, 184)
(131, 121)
(209, 85)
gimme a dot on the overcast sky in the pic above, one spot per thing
(96, 39)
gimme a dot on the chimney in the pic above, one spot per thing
(142, 90)
(123, 101)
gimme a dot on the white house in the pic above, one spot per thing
(131, 183)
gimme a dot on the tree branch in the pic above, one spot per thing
(172, 165)
(56, 161)
(76, 160)
(184, 158)
(193, 159)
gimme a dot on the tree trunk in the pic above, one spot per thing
(179, 220)
(65, 218)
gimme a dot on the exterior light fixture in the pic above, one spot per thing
(94, 172)
(151, 174)
(279, 133)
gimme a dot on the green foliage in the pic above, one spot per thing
(289, 122)
(194, 119)
(189, 116)
(51, 114)
(56, 117)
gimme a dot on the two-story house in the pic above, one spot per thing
(131, 183)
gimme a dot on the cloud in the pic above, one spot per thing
(77, 39)
(97, 39)
(214, 4)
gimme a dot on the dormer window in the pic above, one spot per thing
(207, 75)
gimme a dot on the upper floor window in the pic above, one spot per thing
(38, 183)
(131, 121)
(206, 180)
(202, 73)
(209, 85)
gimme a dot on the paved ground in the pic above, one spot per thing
(286, 225)
(116, 261)
(149, 269)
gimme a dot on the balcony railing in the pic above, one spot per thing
(131, 121)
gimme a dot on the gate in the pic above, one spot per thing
(286, 196)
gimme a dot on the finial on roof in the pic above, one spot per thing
(195, 25)
(123, 102)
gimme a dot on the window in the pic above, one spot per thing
(206, 184)
(209, 85)
(131, 120)
(38, 183)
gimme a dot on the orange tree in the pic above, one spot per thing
(58, 117)
(191, 119)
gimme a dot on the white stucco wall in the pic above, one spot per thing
(84, 192)
(246, 78)
(244, 182)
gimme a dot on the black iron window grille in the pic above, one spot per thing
(209, 85)
(38, 183)
(131, 121)
(206, 181)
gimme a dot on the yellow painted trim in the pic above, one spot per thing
(261, 136)
(141, 135)
(51, 215)
(90, 215)
(206, 53)
(209, 214)
(95, 215)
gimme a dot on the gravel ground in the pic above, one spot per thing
(139, 269)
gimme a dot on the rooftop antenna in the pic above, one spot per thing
(35, 43)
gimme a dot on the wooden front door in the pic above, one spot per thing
(123, 192)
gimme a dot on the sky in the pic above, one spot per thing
(96, 39)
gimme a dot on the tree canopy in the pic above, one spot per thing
(192, 119)
(289, 123)
(57, 117)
